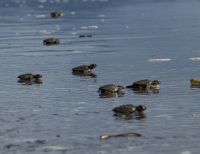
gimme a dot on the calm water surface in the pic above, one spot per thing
(65, 113)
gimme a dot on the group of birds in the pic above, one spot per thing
(108, 90)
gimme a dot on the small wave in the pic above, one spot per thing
(186, 152)
(195, 59)
(101, 16)
(76, 51)
(40, 16)
(160, 60)
(55, 148)
(72, 12)
(42, 1)
(93, 27)
(90, 27)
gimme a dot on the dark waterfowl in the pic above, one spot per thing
(129, 109)
(56, 14)
(111, 88)
(84, 70)
(129, 112)
(29, 78)
(128, 135)
(51, 41)
(145, 86)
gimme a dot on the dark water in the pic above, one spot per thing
(65, 113)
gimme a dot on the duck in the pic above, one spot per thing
(56, 14)
(129, 109)
(111, 88)
(84, 70)
(145, 85)
(51, 41)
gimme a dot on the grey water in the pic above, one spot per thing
(131, 40)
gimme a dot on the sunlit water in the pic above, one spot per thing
(131, 40)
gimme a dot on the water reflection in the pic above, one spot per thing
(92, 75)
(146, 91)
(110, 95)
(132, 116)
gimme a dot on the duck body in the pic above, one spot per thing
(111, 88)
(129, 109)
(51, 41)
(143, 85)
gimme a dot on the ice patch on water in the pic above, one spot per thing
(186, 152)
(40, 16)
(158, 60)
(195, 59)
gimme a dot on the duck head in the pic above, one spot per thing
(140, 108)
(92, 66)
(120, 89)
(155, 84)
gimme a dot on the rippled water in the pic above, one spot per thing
(131, 40)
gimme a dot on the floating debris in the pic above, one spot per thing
(128, 135)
